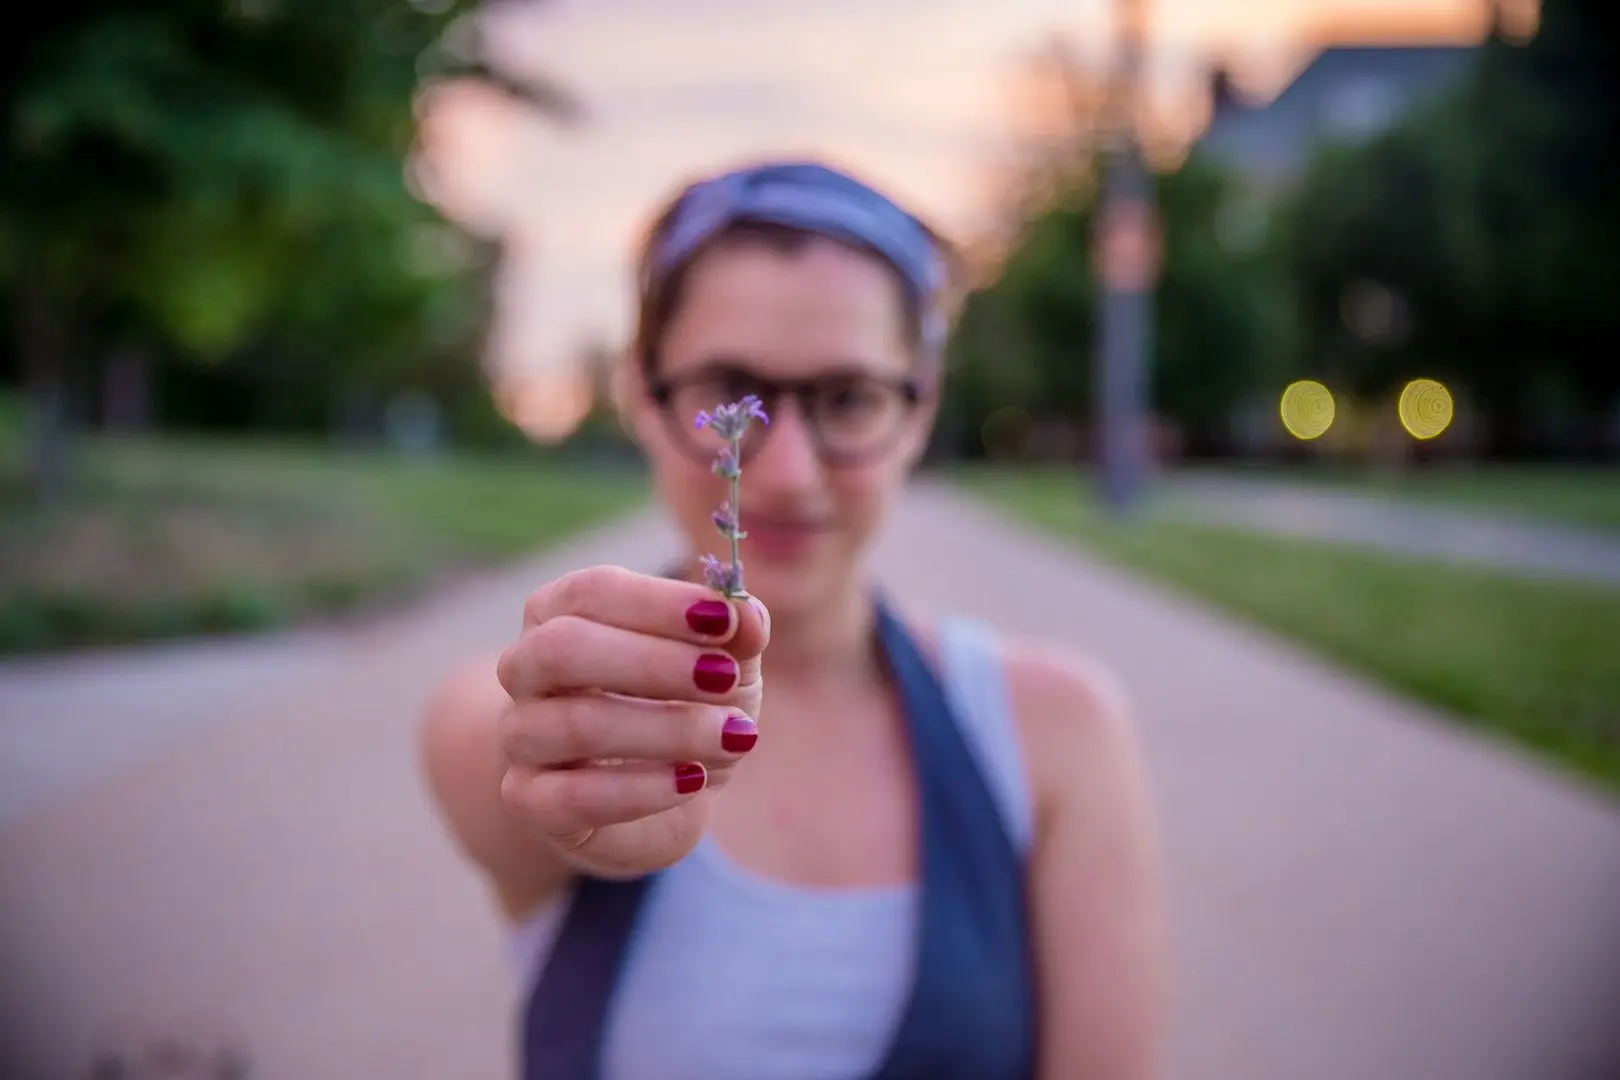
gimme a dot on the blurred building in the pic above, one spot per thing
(1347, 93)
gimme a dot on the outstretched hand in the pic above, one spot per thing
(633, 698)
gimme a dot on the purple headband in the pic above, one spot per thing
(818, 200)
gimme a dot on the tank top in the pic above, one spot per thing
(725, 974)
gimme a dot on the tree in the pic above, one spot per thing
(1220, 328)
(1378, 255)
(1027, 338)
(1475, 241)
(198, 177)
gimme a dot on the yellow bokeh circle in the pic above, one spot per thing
(1307, 409)
(1425, 408)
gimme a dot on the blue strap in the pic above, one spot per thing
(971, 1012)
(568, 1008)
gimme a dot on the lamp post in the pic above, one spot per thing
(1128, 254)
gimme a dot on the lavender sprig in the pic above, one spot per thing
(730, 422)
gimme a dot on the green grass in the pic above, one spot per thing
(1588, 497)
(163, 538)
(1535, 662)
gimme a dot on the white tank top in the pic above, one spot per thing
(732, 976)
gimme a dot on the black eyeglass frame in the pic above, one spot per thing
(771, 391)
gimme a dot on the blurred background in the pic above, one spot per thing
(1307, 311)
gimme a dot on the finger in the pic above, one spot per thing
(568, 801)
(754, 622)
(567, 654)
(679, 610)
(556, 731)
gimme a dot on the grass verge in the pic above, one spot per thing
(1531, 661)
(1585, 497)
(167, 538)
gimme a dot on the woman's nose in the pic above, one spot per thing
(788, 451)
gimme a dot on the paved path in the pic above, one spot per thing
(69, 721)
(1358, 888)
(1400, 525)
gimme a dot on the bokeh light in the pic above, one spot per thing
(1425, 408)
(546, 408)
(1006, 433)
(1307, 409)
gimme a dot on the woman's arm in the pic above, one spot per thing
(1097, 909)
(461, 757)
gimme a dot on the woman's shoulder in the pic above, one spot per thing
(1073, 716)
(1053, 688)
(1061, 683)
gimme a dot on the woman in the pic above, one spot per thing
(930, 854)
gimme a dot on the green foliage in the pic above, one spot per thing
(1027, 339)
(1491, 216)
(1218, 325)
(225, 182)
(1473, 242)
(167, 157)
(11, 422)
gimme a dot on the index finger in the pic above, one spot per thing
(680, 610)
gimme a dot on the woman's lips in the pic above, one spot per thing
(778, 538)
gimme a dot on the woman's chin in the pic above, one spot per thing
(788, 590)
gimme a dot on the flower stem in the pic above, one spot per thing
(736, 502)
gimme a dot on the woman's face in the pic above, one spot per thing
(823, 317)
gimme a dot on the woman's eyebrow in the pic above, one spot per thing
(724, 364)
(846, 369)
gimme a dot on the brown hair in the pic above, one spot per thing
(659, 293)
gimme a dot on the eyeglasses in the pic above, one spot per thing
(853, 417)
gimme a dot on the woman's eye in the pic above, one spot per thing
(850, 398)
(737, 387)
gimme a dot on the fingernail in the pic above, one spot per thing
(712, 618)
(715, 673)
(738, 734)
(690, 777)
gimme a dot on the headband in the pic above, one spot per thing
(817, 200)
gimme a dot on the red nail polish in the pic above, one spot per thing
(690, 777)
(715, 673)
(738, 734)
(711, 618)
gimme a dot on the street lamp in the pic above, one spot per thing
(1128, 253)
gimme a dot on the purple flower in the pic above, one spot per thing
(730, 422)
(722, 577)
(726, 521)
(725, 464)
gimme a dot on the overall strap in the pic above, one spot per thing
(567, 1012)
(971, 1014)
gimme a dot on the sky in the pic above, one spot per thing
(914, 95)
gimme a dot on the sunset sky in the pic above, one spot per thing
(913, 94)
